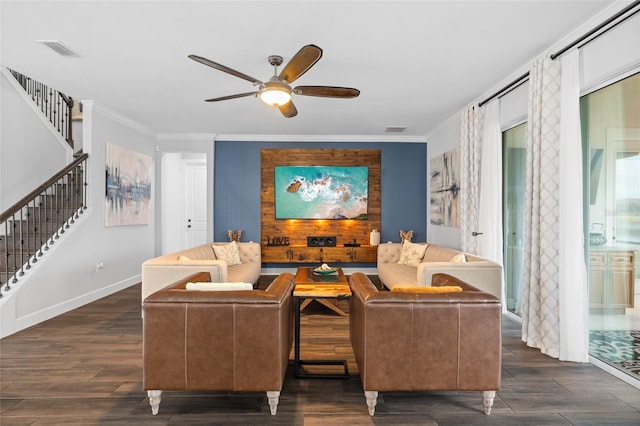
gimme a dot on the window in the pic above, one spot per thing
(514, 161)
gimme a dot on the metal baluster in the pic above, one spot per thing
(7, 287)
(20, 226)
(57, 204)
(66, 200)
(48, 211)
(77, 194)
(40, 233)
(63, 115)
(84, 186)
(49, 104)
(28, 241)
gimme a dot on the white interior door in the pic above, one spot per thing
(195, 203)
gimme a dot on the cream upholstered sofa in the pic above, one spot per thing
(161, 271)
(481, 273)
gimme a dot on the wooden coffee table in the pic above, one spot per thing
(323, 288)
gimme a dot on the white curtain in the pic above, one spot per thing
(574, 316)
(490, 205)
(548, 320)
(470, 141)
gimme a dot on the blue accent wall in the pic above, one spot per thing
(237, 186)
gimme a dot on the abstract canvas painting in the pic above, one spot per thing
(127, 186)
(445, 186)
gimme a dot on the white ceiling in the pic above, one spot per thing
(416, 63)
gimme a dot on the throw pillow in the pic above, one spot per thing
(412, 253)
(426, 289)
(459, 258)
(206, 286)
(228, 252)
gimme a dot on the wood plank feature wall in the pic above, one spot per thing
(297, 230)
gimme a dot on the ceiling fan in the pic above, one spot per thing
(277, 90)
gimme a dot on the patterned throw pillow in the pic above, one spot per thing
(412, 253)
(207, 286)
(426, 289)
(228, 252)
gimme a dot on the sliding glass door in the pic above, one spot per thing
(611, 138)
(514, 161)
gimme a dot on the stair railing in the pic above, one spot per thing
(54, 104)
(33, 224)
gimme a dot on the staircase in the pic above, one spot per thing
(32, 225)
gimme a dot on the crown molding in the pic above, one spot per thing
(108, 112)
(199, 137)
(320, 138)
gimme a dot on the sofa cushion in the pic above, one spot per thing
(228, 252)
(207, 286)
(459, 258)
(411, 253)
(435, 253)
(427, 289)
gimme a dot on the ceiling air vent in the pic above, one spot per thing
(395, 129)
(58, 47)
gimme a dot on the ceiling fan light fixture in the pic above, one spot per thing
(275, 96)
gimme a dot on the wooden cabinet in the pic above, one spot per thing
(611, 279)
(304, 254)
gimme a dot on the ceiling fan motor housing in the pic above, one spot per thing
(275, 60)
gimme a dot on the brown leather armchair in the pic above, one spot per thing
(426, 342)
(217, 340)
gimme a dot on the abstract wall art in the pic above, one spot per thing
(445, 186)
(127, 186)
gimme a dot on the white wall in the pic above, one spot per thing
(30, 153)
(611, 56)
(66, 276)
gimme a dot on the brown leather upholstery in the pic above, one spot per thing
(217, 340)
(421, 342)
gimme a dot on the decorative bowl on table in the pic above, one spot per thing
(325, 270)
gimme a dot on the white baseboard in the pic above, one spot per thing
(68, 305)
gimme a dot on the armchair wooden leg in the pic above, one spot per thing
(154, 400)
(274, 398)
(372, 400)
(487, 400)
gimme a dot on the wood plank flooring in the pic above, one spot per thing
(85, 368)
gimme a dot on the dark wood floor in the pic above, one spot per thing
(85, 367)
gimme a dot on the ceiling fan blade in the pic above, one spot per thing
(300, 63)
(224, 98)
(327, 91)
(223, 68)
(288, 110)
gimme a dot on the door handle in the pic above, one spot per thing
(475, 234)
